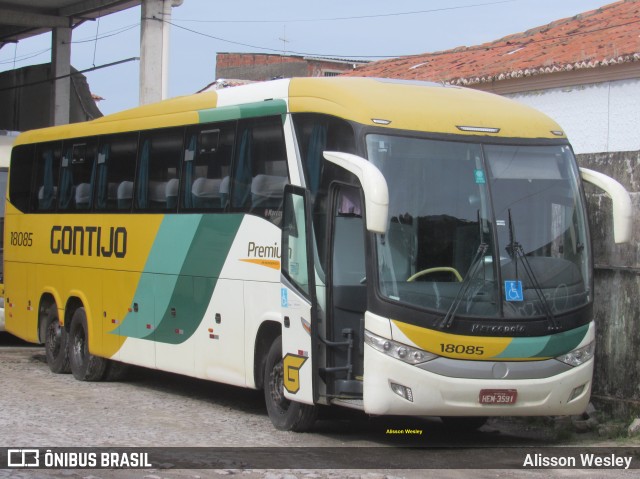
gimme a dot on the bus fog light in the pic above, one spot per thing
(402, 391)
(578, 356)
(576, 392)
(397, 350)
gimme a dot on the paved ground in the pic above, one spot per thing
(153, 409)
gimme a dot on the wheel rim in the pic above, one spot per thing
(53, 338)
(277, 388)
(79, 346)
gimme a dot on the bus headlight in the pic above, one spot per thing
(579, 356)
(398, 350)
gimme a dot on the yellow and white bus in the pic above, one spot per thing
(395, 247)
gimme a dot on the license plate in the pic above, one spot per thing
(498, 396)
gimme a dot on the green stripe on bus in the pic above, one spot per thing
(248, 110)
(180, 275)
(564, 342)
(545, 346)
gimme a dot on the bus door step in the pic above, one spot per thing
(348, 387)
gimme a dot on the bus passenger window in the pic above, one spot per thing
(21, 176)
(261, 171)
(77, 175)
(115, 172)
(158, 163)
(207, 166)
(48, 158)
(316, 134)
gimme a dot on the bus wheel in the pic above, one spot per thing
(464, 423)
(285, 415)
(56, 350)
(115, 371)
(84, 366)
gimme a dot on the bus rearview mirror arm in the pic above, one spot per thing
(376, 191)
(622, 207)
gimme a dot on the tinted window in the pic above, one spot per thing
(21, 175)
(207, 166)
(260, 171)
(115, 172)
(77, 175)
(48, 156)
(158, 165)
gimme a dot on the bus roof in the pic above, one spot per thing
(396, 104)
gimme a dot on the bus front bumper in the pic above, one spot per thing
(396, 388)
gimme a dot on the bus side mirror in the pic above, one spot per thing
(622, 208)
(374, 185)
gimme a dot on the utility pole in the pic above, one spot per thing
(154, 49)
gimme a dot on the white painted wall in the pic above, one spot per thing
(597, 118)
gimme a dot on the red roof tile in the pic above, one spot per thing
(606, 36)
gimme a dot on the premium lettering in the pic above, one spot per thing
(256, 251)
(89, 241)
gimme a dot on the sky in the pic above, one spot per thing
(356, 29)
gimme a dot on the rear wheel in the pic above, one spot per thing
(285, 415)
(55, 344)
(84, 365)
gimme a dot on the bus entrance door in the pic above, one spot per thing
(298, 298)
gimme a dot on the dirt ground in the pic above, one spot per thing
(151, 409)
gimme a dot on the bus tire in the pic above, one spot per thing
(115, 371)
(464, 423)
(55, 344)
(285, 415)
(84, 365)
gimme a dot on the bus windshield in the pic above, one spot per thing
(482, 230)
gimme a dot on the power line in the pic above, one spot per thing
(111, 33)
(511, 44)
(86, 70)
(357, 17)
(107, 34)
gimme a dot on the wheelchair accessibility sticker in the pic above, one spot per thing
(513, 291)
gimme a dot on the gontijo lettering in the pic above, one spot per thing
(89, 241)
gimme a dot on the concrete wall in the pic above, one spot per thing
(27, 107)
(261, 66)
(617, 288)
(602, 122)
(601, 117)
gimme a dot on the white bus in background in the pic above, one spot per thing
(6, 142)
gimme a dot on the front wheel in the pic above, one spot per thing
(285, 415)
(464, 423)
(84, 365)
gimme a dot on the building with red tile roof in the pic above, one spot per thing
(604, 39)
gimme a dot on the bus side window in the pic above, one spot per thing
(77, 175)
(260, 171)
(115, 172)
(316, 134)
(48, 156)
(158, 165)
(21, 176)
(207, 166)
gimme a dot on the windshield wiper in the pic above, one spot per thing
(515, 251)
(477, 261)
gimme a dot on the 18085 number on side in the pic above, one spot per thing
(20, 238)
